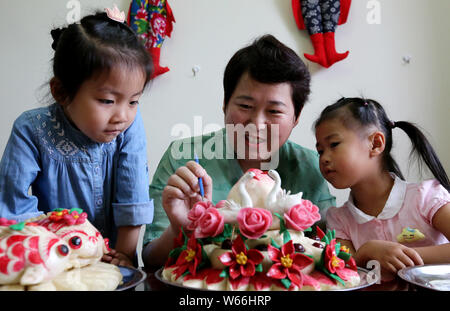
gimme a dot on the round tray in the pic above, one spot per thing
(366, 281)
(131, 277)
(434, 277)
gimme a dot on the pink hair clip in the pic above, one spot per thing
(115, 14)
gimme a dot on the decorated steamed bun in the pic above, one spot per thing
(30, 254)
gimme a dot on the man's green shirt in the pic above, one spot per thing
(298, 168)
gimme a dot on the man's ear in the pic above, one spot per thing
(58, 92)
(298, 117)
(377, 143)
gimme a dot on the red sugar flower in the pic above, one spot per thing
(288, 264)
(74, 218)
(336, 265)
(190, 258)
(241, 261)
(58, 214)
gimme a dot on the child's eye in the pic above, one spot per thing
(332, 145)
(106, 101)
(320, 152)
(134, 103)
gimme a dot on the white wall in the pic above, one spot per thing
(208, 32)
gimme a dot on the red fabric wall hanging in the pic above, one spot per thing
(152, 21)
(321, 18)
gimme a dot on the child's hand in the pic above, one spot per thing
(182, 192)
(391, 256)
(118, 259)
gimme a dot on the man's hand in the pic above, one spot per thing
(182, 192)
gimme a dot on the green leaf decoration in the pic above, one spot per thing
(308, 230)
(259, 268)
(337, 248)
(286, 282)
(227, 230)
(345, 256)
(274, 244)
(334, 276)
(186, 273)
(175, 253)
(282, 223)
(329, 236)
(226, 234)
(76, 209)
(224, 273)
(18, 227)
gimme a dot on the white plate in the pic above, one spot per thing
(434, 277)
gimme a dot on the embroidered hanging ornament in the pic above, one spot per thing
(321, 18)
(152, 21)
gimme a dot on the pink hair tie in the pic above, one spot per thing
(115, 14)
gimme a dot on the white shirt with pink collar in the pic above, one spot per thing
(406, 218)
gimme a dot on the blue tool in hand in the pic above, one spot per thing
(200, 180)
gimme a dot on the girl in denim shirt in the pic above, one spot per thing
(88, 149)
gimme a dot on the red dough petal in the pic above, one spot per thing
(19, 265)
(226, 258)
(277, 271)
(255, 256)
(4, 261)
(288, 248)
(18, 250)
(235, 271)
(248, 269)
(301, 260)
(346, 273)
(274, 253)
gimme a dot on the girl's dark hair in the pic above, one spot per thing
(267, 60)
(359, 112)
(95, 44)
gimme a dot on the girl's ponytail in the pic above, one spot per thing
(355, 112)
(423, 148)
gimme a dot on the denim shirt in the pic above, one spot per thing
(66, 169)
